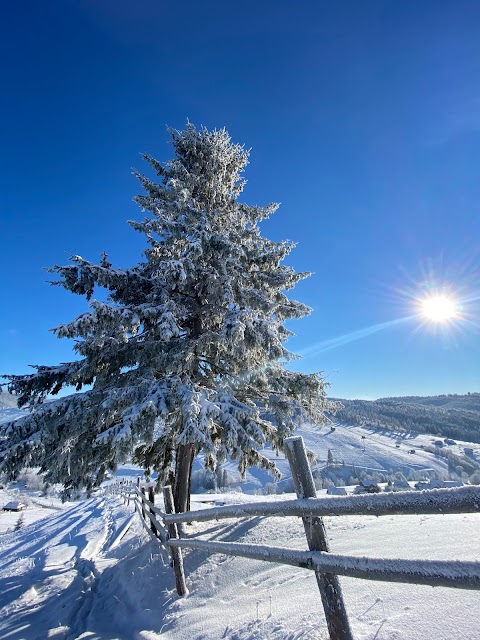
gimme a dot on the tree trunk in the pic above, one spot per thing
(183, 474)
(186, 452)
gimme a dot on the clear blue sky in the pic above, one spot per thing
(364, 122)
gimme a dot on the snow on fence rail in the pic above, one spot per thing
(437, 573)
(461, 500)
(327, 566)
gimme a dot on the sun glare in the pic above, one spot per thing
(438, 309)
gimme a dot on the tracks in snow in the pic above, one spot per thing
(87, 571)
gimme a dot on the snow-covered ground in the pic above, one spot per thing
(88, 570)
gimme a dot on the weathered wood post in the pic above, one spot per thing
(328, 583)
(151, 497)
(134, 498)
(144, 515)
(176, 552)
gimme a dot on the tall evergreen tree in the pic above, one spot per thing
(187, 354)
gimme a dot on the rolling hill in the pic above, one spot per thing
(452, 416)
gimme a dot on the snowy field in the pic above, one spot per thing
(88, 570)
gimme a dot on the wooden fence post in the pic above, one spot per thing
(151, 497)
(176, 552)
(144, 515)
(328, 583)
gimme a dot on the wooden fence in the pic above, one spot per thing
(162, 526)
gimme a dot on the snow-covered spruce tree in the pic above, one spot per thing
(187, 354)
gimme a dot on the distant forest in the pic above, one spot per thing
(449, 416)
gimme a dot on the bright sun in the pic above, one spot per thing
(438, 308)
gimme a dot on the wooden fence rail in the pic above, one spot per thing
(461, 500)
(436, 573)
(162, 526)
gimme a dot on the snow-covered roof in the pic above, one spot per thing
(14, 505)
(336, 491)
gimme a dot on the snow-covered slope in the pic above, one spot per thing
(366, 449)
(7, 400)
(88, 571)
(374, 448)
(12, 412)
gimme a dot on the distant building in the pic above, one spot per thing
(336, 491)
(422, 485)
(367, 486)
(438, 484)
(14, 505)
(400, 484)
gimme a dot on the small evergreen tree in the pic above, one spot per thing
(187, 354)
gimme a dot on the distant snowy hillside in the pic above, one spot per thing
(447, 416)
(356, 453)
(7, 400)
(369, 445)
(10, 413)
(8, 408)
